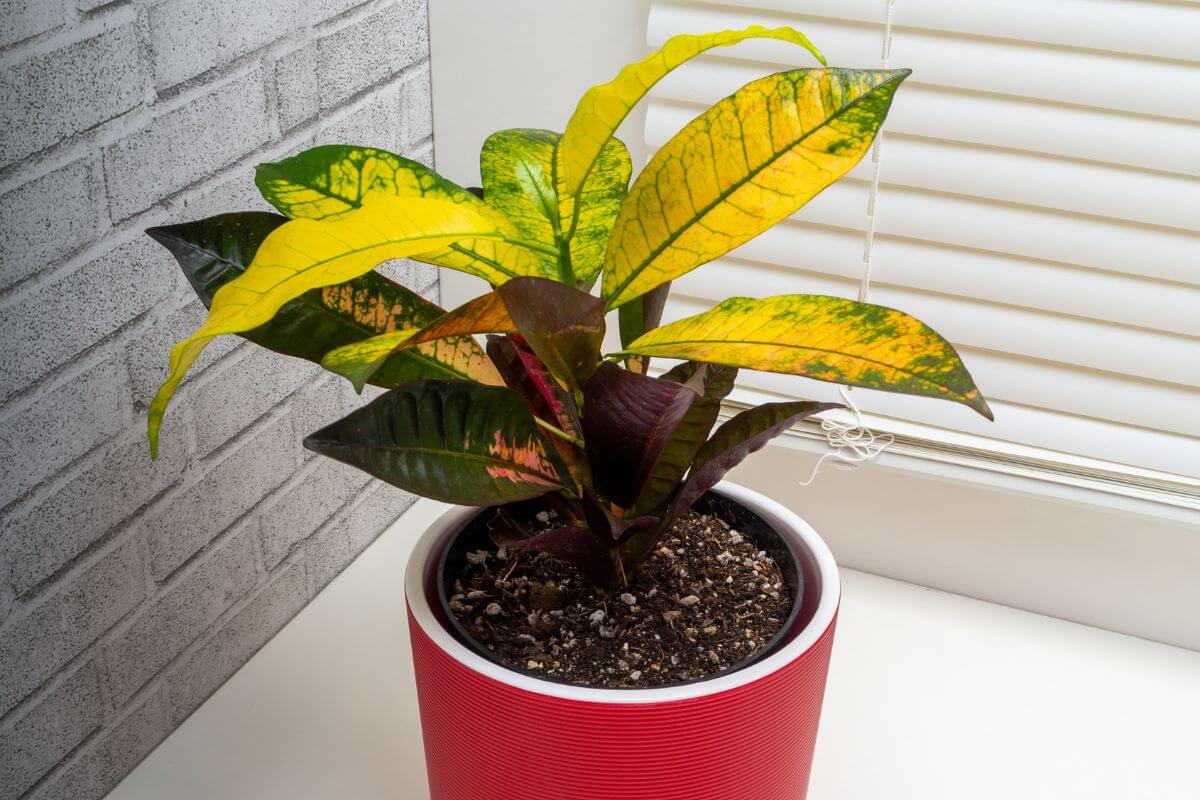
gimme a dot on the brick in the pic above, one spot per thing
(189, 37)
(46, 220)
(25, 18)
(102, 763)
(376, 513)
(244, 476)
(241, 392)
(186, 144)
(148, 354)
(35, 646)
(296, 513)
(370, 50)
(413, 274)
(42, 540)
(184, 610)
(232, 191)
(55, 726)
(377, 121)
(50, 97)
(417, 106)
(327, 553)
(59, 320)
(298, 95)
(57, 426)
(320, 403)
(192, 681)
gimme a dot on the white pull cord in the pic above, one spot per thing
(850, 444)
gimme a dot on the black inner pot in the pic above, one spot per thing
(474, 536)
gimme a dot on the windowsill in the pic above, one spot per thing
(931, 695)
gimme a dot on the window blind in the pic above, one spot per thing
(1035, 197)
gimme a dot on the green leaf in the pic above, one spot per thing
(454, 441)
(603, 107)
(563, 325)
(521, 177)
(743, 165)
(821, 337)
(214, 251)
(330, 180)
(716, 382)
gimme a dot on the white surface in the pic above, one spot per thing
(931, 696)
(796, 532)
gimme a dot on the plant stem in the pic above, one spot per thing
(559, 432)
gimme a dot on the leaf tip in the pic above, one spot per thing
(980, 405)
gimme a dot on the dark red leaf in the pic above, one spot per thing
(628, 420)
(579, 547)
(563, 325)
(746, 433)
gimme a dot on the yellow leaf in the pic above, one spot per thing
(485, 314)
(306, 254)
(746, 163)
(332, 180)
(826, 338)
(604, 106)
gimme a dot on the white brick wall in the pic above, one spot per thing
(130, 589)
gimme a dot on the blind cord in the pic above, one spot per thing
(851, 444)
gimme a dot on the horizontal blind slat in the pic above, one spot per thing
(1048, 428)
(972, 117)
(1151, 355)
(1156, 29)
(1023, 69)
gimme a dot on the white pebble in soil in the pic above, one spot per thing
(628, 599)
(596, 616)
(492, 610)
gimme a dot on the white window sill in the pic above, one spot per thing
(931, 695)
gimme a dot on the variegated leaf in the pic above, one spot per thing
(331, 180)
(454, 441)
(521, 176)
(740, 167)
(821, 337)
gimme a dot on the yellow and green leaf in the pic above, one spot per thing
(331, 180)
(214, 251)
(450, 332)
(306, 254)
(821, 337)
(740, 167)
(522, 177)
(604, 106)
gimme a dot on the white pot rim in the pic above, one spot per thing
(784, 521)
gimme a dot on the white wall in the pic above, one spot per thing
(521, 64)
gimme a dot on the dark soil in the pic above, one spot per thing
(706, 600)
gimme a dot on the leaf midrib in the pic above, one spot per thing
(457, 455)
(752, 342)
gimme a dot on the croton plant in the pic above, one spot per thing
(542, 410)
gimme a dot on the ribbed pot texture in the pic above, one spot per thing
(494, 734)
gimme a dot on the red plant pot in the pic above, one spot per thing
(494, 734)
